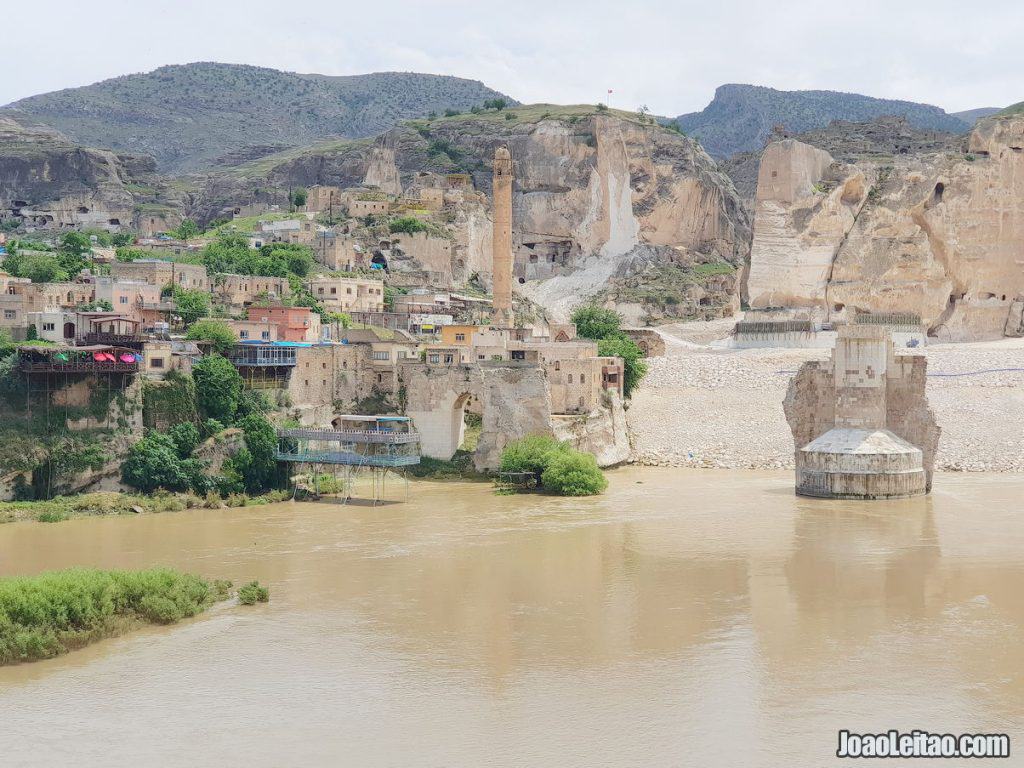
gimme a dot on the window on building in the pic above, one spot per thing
(570, 378)
(47, 326)
(265, 334)
(10, 314)
(402, 354)
(123, 299)
(582, 379)
(306, 382)
(156, 362)
(320, 291)
(434, 357)
(382, 355)
(380, 378)
(518, 354)
(334, 290)
(348, 290)
(324, 366)
(449, 357)
(558, 365)
(460, 337)
(243, 334)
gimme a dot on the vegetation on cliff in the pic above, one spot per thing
(47, 615)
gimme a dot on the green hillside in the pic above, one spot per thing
(189, 115)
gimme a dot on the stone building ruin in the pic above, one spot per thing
(861, 424)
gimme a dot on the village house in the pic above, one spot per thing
(162, 273)
(14, 304)
(321, 198)
(243, 290)
(348, 294)
(337, 251)
(388, 350)
(68, 295)
(128, 297)
(293, 323)
(361, 208)
(253, 330)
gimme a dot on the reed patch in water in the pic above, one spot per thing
(52, 613)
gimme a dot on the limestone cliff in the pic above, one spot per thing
(48, 181)
(934, 234)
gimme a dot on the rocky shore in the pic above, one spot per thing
(706, 407)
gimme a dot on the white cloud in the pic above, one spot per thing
(669, 56)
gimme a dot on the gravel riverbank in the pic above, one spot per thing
(707, 407)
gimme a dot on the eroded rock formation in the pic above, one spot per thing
(49, 182)
(938, 235)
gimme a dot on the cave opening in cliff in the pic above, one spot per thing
(940, 190)
(82, 209)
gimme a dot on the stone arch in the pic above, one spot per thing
(514, 401)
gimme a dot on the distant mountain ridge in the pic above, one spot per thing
(740, 117)
(187, 115)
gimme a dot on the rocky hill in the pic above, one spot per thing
(604, 204)
(741, 117)
(187, 115)
(48, 180)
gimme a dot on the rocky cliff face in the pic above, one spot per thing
(594, 192)
(48, 181)
(934, 234)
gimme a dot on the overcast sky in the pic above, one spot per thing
(669, 55)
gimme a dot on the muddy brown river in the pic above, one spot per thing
(684, 618)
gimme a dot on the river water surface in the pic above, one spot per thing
(684, 618)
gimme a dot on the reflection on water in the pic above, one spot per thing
(686, 617)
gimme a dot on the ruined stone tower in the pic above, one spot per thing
(861, 423)
(502, 240)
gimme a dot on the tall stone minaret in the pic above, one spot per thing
(501, 266)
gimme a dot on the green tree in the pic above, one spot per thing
(191, 304)
(218, 387)
(406, 224)
(185, 437)
(594, 322)
(261, 446)
(633, 365)
(153, 463)
(37, 267)
(298, 197)
(124, 253)
(531, 454)
(572, 473)
(251, 401)
(186, 230)
(75, 243)
(215, 331)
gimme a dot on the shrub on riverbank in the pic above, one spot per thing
(50, 614)
(573, 474)
(253, 593)
(558, 467)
